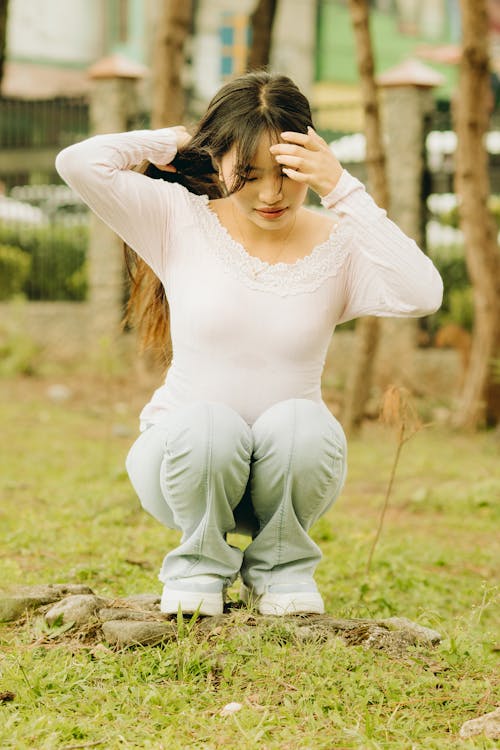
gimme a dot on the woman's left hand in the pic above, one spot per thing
(307, 158)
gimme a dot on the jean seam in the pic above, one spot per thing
(286, 489)
(206, 486)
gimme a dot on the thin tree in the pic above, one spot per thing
(367, 329)
(3, 38)
(261, 25)
(480, 399)
(174, 26)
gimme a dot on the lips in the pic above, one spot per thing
(271, 213)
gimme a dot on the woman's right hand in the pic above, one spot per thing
(182, 138)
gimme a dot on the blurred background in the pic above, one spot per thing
(70, 68)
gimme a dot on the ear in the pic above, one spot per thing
(218, 169)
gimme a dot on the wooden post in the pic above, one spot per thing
(113, 103)
(368, 328)
(174, 26)
(480, 397)
(406, 100)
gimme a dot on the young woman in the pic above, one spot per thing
(238, 437)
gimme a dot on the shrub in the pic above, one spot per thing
(457, 304)
(14, 270)
(57, 252)
(451, 216)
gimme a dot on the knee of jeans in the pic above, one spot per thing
(143, 468)
(301, 432)
(208, 432)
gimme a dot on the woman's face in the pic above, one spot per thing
(268, 199)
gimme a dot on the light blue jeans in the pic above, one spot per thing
(204, 471)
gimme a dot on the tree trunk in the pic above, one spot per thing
(480, 400)
(174, 25)
(261, 24)
(3, 38)
(367, 329)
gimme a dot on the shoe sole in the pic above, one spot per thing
(291, 604)
(190, 602)
(284, 604)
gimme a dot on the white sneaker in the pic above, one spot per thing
(203, 594)
(285, 599)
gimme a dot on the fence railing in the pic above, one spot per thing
(42, 123)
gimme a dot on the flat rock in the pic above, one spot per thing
(142, 601)
(420, 633)
(394, 642)
(124, 613)
(394, 635)
(488, 724)
(14, 604)
(130, 633)
(78, 608)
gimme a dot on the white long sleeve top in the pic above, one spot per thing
(245, 332)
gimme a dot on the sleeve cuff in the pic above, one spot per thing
(344, 187)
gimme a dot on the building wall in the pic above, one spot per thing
(126, 27)
(207, 44)
(294, 42)
(428, 20)
(55, 31)
(294, 37)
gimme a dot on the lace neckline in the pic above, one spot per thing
(304, 274)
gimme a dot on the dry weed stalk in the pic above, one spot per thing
(398, 411)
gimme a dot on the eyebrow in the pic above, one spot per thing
(253, 168)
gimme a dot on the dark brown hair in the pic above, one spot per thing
(237, 116)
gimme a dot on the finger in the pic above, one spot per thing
(294, 175)
(287, 148)
(295, 162)
(301, 139)
(316, 137)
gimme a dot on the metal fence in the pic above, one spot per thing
(41, 123)
(43, 227)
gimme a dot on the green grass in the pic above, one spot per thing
(68, 514)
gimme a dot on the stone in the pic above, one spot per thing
(142, 601)
(130, 633)
(79, 609)
(394, 642)
(118, 429)
(420, 633)
(488, 724)
(231, 708)
(124, 613)
(59, 393)
(393, 635)
(26, 598)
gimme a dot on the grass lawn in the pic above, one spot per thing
(68, 514)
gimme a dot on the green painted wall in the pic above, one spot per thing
(336, 57)
(133, 46)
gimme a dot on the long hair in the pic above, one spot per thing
(237, 116)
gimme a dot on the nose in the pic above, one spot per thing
(271, 189)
